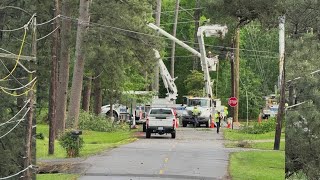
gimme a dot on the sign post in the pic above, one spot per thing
(233, 102)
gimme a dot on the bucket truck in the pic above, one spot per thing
(206, 103)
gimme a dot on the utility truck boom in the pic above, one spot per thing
(168, 81)
(207, 64)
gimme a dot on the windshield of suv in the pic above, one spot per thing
(199, 102)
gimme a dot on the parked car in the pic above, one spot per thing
(161, 121)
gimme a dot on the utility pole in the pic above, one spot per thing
(236, 76)
(157, 70)
(53, 81)
(232, 80)
(196, 17)
(281, 112)
(176, 13)
(29, 149)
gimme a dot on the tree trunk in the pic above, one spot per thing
(86, 95)
(97, 96)
(77, 79)
(63, 73)
(197, 15)
(176, 13)
(53, 82)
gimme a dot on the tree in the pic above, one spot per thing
(77, 79)
(302, 125)
(63, 67)
(194, 83)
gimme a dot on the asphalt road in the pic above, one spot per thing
(194, 154)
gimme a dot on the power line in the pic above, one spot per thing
(16, 114)
(156, 36)
(183, 22)
(15, 7)
(46, 22)
(164, 12)
(20, 51)
(11, 176)
(20, 28)
(16, 124)
(48, 34)
(22, 87)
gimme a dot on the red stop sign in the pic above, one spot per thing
(233, 102)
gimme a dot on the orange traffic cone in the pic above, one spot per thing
(229, 124)
(212, 125)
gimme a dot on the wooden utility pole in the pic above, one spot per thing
(237, 76)
(53, 81)
(196, 17)
(157, 68)
(281, 110)
(176, 13)
(77, 78)
(29, 149)
(232, 81)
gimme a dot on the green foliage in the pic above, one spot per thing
(302, 122)
(71, 143)
(261, 128)
(88, 121)
(194, 83)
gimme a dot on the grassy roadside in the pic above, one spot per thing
(235, 135)
(94, 142)
(255, 145)
(57, 176)
(256, 165)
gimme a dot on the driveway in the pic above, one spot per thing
(196, 153)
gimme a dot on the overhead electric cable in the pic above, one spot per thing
(16, 124)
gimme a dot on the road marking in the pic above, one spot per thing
(161, 171)
(166, 159)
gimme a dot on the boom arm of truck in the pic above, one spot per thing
(208, 64)
(215, 30)
(168, 81)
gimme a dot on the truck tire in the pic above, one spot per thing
(207, 124)
(148, 134)
(144, 128)
(184, 124)
(173, 135)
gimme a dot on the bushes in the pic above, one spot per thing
(71, 143)
(88, 121)
(264, 127)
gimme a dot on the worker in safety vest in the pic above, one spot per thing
(218, 121)
(195, 114)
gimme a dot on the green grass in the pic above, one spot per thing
(268, 145)
(230, 134)
(257, 165)
(258, 145)
(57, 176)
(94, 142)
